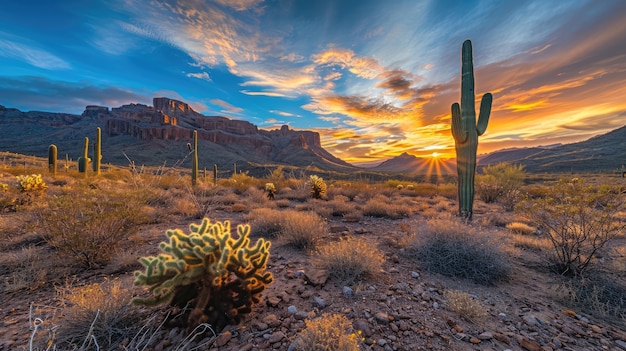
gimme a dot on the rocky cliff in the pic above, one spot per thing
(166, 126)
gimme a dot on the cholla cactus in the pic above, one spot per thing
(270, 188)
(31, 183)
(400, 186)
(318, 187)
(219, 276)
(4, 187)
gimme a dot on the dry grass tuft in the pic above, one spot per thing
(301, 230)
(329, 332)
(382, 206)
(265, 222)
(521, 228)
(467, 307)
(351, 259)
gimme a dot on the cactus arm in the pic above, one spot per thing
(460, 135)
(485, 110)
(467, 81)
(194, 160)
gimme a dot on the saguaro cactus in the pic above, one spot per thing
(466, 131)
(52, 159)
(97, 151)
(194, 159)
(215, 174)
(83, 161)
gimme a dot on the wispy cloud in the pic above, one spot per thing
(226, 106)
(27, 52)
(199, 75)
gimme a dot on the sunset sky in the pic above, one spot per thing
(375, 78)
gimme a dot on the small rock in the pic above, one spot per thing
(530, 345)
(258, 325)
(347, 292)
(273, 301)
(381, 342)
(320, 302)
(436, 305)
(300, 315)
(486, 336)
(298, 273)
(276, 337)
(292, 309)
(316, 277)
(557, 342)
(502, 338)
(363, 326)
(596, 329)
(223, 339)
(271, 320)
(474, 340)
(415, 275)
(621, 344)
(382, 317)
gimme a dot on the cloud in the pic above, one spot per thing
(284, 114)
(63, 96)
(264, 93)
(200, 75)
(226, 106)
(362, 67)
(239, 5)
(31, 55)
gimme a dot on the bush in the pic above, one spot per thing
(597, 295)
(266, 222)
(455, 250)
(213, 276)
(350, 259)
(578, 219)
(301, 230)
(382, 206)
(466, 306)
(500, 181)
(329, 332)
(521, 228)
(89, 228)
(32, 183)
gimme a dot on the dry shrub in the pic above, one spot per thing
(283, 203)
(451, 248)
(329, 332)
(353, 217)
(597, 295)
(87, 228)
(382, 206)
(265, 222)
(301, 230)
(100, 309)
(241, 182)
(341, 205)
(351, 259)
(238, 207)
(521, 228)
(27, 268)
(467, 307)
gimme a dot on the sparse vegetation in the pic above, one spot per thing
(579, 220)
(328, 332)
(318, 187)
(452, 249)
(351, 259)
(501, 183)
(467, 307)
(301, 230)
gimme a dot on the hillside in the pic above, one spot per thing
(158, 134)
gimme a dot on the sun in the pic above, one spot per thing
(434, 155)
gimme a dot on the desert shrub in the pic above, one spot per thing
(453, 249)
(241, 182)
(318, 187)
(578, 219)
(301, 230)
(88, 228)
(28, 270)
(597, 295)
(270, 189)
(350, 259)
(353, 217)
(500, 181)
(255, 197)
(521, 228)
(382, 206)
(329, 332)
(531, 242)
(467, 307)
(341, 205)
(98, 311)
(214, 276)
(265, 222)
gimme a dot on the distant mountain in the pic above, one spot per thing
(158, 134)
(410, 164)
(602, 153)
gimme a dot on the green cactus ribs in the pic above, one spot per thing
(466, 131)
(212, 276)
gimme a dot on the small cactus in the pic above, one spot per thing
(52, 159)
(212, 276)
(214, 174)
(318, 186)
(32, 183)
(270, 189)
(97, 151)
(194, 159)
(83, 161)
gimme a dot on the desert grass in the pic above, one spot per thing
(328, 332)
(27, 270)
(383, 206)
(454, 249)
(521, 228)
(534, 243)
(465, 306)
(301, 230)
(350, 259)
(265, 222)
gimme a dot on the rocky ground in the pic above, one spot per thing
(403, 308)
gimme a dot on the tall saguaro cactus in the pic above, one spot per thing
(83, 161)
(466, 131)
(97, 151)
(194, 159)
(52, 159)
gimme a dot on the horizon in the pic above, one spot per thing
(374, 79)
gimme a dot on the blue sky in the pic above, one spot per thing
(375, 78)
